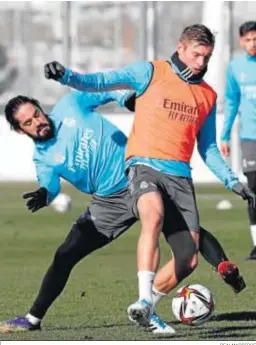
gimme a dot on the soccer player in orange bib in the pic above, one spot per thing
(174, 108)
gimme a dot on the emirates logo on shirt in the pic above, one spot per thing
(180, 111)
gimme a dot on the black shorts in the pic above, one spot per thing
(178, 195)
(248, 155)
(109, 215)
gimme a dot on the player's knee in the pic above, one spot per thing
(194, 262)
(69, 252)
(62, 257)
(150, 209)
(186, 260)
(152, 223)
(185, 267)
(183, 247)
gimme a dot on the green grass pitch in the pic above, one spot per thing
(93, 305)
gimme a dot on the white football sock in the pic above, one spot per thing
(253, 233)
(156, 297)
(32, 319)
(146, 279)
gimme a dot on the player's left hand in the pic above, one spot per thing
(37, 199)
(245, 193)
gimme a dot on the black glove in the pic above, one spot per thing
(37, 199)
(130, 102)
(245, 193)
(54, 70)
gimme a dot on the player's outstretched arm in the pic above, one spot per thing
(54, 70)
(208, 150)
(135, 76)
(210, 154)
(92, 100)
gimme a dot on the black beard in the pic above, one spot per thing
(49, 135)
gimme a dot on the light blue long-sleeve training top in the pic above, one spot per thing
(137, 76)
(240, 94)
(87, 150)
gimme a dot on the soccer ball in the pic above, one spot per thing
(62, 203)
(193, 305)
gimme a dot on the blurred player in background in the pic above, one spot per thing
(240, 94)
(174, 106)
(78, 144)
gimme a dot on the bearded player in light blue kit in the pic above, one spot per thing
(241, 94)
(76, 143)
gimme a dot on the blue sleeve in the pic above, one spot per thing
(48, 179)
(93, 100)
(135, 76)
(231, 105)
(210, 153)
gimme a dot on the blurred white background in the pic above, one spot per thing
(91, 36)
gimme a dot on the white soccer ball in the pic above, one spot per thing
(224, 205)
(62, 203)
(193, 305)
